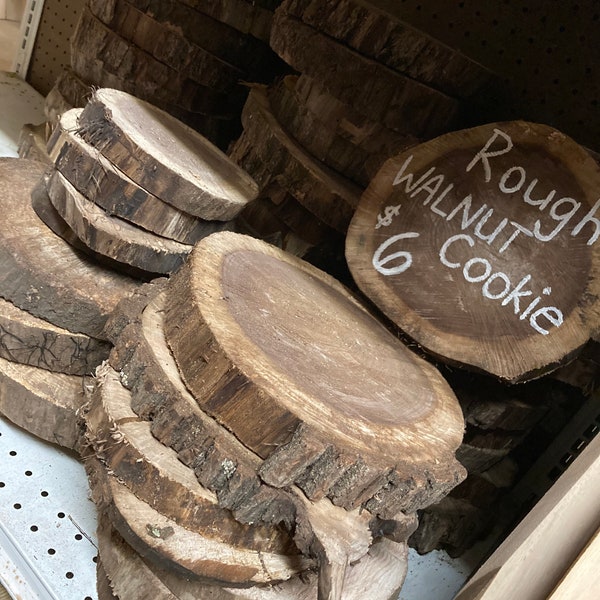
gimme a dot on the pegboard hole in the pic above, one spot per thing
(34, 528)
(69, 575)
(51, 551)
(13, 452)
(44, 494)
(78, 536)
(61, 515)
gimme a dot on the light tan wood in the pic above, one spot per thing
(534, 557)
(238, 348)
(383, 36)
(28, 340)
(43, 403)
(40, 272)
(379, 576)
(165, 157)
(170, 546)
(113, 237)
(582, 579)
(396, 101)
(123, 442)
(500, 218)
(270, 154)
(102, 183)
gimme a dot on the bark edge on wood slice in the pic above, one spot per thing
(164, 156)
(39, 271)
(499, 218)
(26, 339)
(378, 92)
(108, 187)
(269, 153)
(237, 355)
(113, 237)
(43, 403)
(380, 34)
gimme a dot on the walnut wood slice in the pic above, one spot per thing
(124, 443)
(218, 37)
(32, 143)
(268, 152)
(40, 272)
(28, 340)
(42, 206)
(111, 236)
(378, 92)
(221, 351)
(219, 460)
(93, 40)
(500, 218)
(327, 139)
(165, 157)
(168, 46)
(219, 130)
(379, 576)
(43, 403)
(374, 29)
(170, 546)
(102, 183)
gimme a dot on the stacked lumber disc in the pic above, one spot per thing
(54, 303)
(287, 404)
(322, 135)
(134, 185)
(189, 58)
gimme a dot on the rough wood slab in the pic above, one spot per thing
(220, 461)
(111, 236)
(481, 246)
(69, 91)
(25, 339)
(165, 157)
(43, 208)
(102, 183)
(43, 403)
(311, 348)
(269, 154)
(190, 36)
(380, 93)
(380, 34)
(93, 41)
(172, 547)
(123, 442)
(169, 47)
(379, 576)
(346, 142)
(40, 272)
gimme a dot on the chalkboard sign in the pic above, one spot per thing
(482, 246)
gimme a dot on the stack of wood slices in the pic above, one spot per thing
(481, 247)
(189, 58)
(137, 187)
(54, 302)
(369, 87)
(298, 435)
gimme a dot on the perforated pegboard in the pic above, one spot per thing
(51, 51)
(47, 522)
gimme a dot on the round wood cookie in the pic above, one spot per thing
(481, 246)
(165, 157)
(380, 93)
(43, 403)
(170, 546)
(111, 236)
(40, 272)
(288, 360)
(102, 183)
(124, 443)
(379, 576)
(32, 341)
(379, 33)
